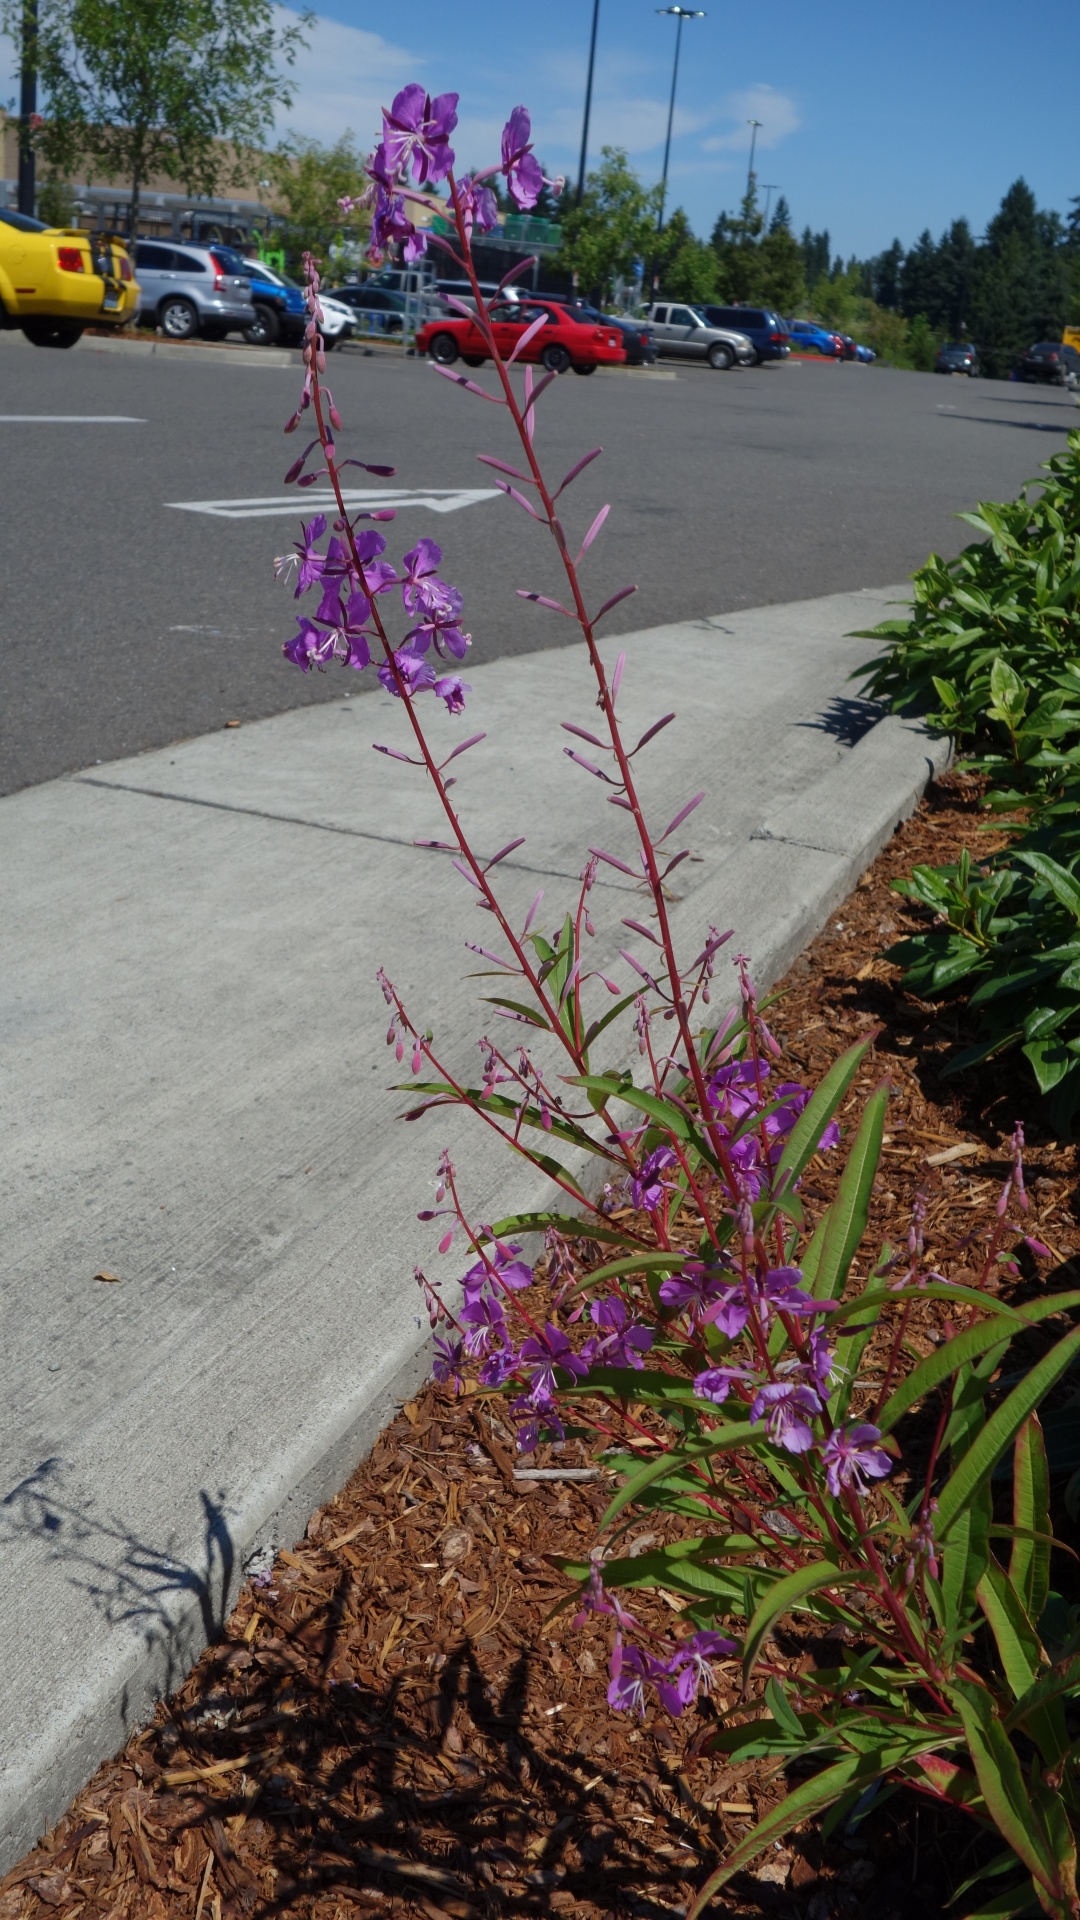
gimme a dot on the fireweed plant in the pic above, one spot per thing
(711, 1352)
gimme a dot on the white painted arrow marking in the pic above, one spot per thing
(373, 499)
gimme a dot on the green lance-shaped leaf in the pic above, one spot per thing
(966, 1561)
(810, 1797)
(1011, 1904)
(1029, 1563)
(1016, 1639)
(802, 1141)
(1002, 1783)
(786, 1594)
(720, 1439)
(948, 1358)
(997, 1436)
(846, 1218)
(574, 1226)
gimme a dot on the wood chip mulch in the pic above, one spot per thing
(393, 1723)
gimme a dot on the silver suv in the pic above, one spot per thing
(185, 292)
(681, 332)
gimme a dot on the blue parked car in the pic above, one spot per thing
(280, 313)
(807, 337)
(766, 332)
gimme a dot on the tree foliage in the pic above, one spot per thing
(184, 87)
(614, 225)
(309, 180)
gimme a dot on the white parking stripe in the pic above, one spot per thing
(74, 419)
(435, 499)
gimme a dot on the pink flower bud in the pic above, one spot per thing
(447, 1241)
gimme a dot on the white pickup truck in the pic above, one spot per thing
(681, 333)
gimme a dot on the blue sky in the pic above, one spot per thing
(876, 120)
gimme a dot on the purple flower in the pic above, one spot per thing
(697, 1287)
(622, 1344)
(703, 1647)
(308, 647)
(820, 1370)
(501, 1266)
(448, 1362)
(420, 568)
(675, 1683)
(595, 1599)
(626, 1692)
(499, 1367)
(848, 1453)
(452, 689)
(312, 561)
(416, 674)
(646, 1190)
(479, 206)
(523, 175)
(329, 608)
(389, 223)
(549, 1350)
(786, 1407)
(484, 1318)
(417, 131)
(715, 1383)
(448, 639)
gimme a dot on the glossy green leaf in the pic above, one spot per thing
(1002, 1783)
(946, 1359)
(721, 1439)
(1016, 1639)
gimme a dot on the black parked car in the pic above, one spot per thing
(955, 357)
(638, 341)
(765, 330)
(1050, 360)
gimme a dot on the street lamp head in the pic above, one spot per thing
(682, 13)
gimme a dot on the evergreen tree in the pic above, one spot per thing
(686, 266)
(816, 254)
(781, 220)
(1020, 282)
(885, 276)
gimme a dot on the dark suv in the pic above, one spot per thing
(765, 330)
(1050, 360)
(956, 357)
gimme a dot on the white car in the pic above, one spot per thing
(337, 320)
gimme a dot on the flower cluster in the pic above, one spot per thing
(414, 156)
(342, 625)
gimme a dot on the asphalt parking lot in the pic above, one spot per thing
(143, 508)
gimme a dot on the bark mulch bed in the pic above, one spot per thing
(392, 1724)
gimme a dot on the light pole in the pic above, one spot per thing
(680, 14)
(768, 189)
(28, 105)
(753, 125)
(588, 101)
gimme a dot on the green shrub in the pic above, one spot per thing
(991, 653)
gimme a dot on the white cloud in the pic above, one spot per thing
(343, 80)
(778, 114)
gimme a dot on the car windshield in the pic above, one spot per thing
(23, 222)
(260, 268)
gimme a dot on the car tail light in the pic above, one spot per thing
(220, 283)
(125, 267)
(70, 260)
(778, 339)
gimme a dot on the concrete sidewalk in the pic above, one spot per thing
(198, 1101)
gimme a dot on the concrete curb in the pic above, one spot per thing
(193, 1040)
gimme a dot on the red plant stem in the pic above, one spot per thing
(608, 706)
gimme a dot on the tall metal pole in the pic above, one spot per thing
(588, 102)
(680, 14)
(27, 106)
(753, 125)
(768, 189)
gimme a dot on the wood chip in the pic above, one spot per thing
(964, 1150)
(103, 1275)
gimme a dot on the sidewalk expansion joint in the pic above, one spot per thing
(320, 826)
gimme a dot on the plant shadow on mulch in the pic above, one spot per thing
(397, 1722)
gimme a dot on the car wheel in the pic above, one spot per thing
(555, 358)
(591, 368)
(266, 328)
(178, 319)
(43, 332)
(329, 342)
(473, 359)
(444, 349)
(720, 357)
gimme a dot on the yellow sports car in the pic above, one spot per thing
(55, 281)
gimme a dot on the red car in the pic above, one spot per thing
(562, 341)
